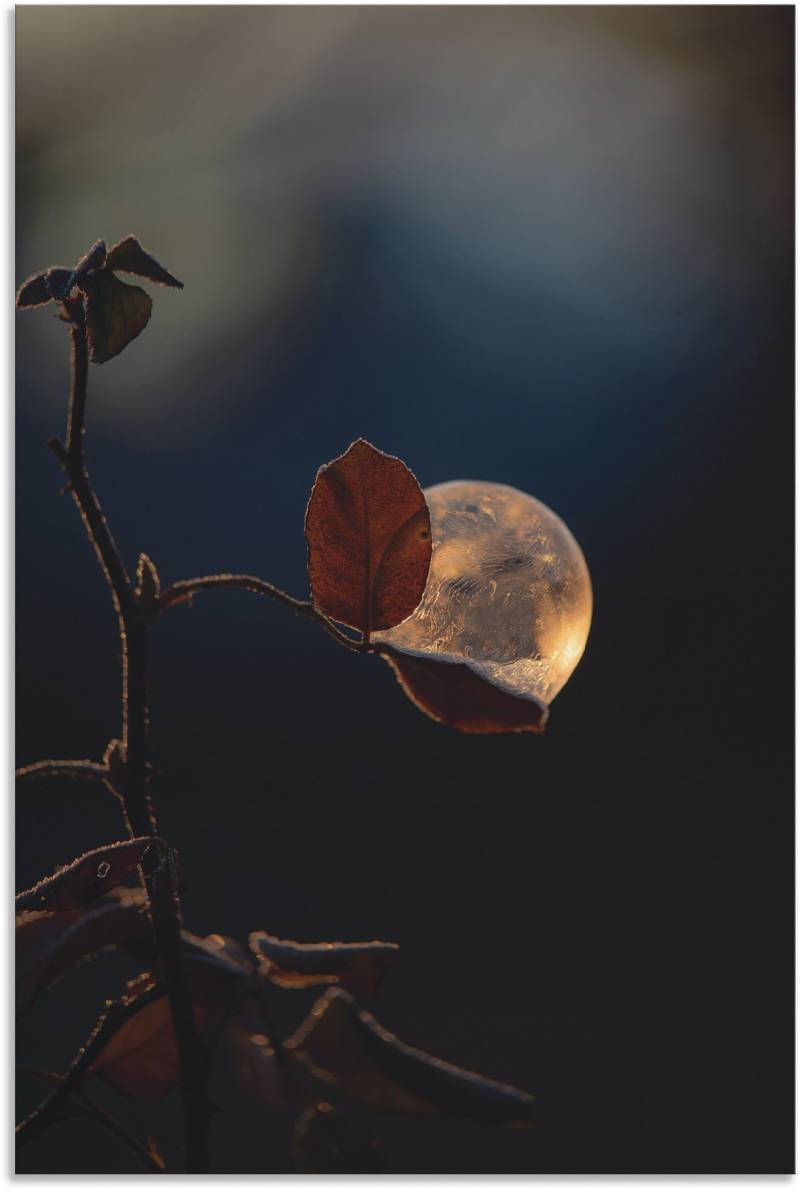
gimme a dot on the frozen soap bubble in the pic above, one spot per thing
(508, 591)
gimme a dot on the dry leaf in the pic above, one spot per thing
(92, 874)
(359, 965)
(115, 314)
(369, 539)
(454, 692)
(346, 1048)
(49, 942)
(128, 256)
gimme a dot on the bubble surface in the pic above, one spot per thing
(508, 590)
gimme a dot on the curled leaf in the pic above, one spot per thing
(369, 539)
(115, 314)
(94, 259)
(128, 256)
(34, 292)
(348, 1050)
(48, 942)
(41, 288)
(358, 965)
(456, 692)
(92, 874)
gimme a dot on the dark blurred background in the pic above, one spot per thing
(551, 247)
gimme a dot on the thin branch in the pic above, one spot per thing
(139, 811)
(89, 770)
(94, 1111)
(180, 592)
(47, 1113)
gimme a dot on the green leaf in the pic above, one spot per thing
(115, 314)
(130, 257)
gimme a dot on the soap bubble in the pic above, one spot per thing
(508, 590)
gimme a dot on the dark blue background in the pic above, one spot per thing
(602, 915)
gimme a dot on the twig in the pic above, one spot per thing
(180, 592)
(94, 1111)
(139, 810)
(83, 769)
(116, 1014)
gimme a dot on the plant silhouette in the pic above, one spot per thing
(368, 533)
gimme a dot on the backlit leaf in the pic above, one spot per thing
(369, 539)
(455, 692)
(48, 942)
(130, 257)
(34, 292)
(115, 314)
(91, 260)
(357, 965)
(88, 877)
(141, 1058)
(347, 1048)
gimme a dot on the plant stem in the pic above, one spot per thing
(182, 591)
(94, 1111)
(139, 810)
(87, 770)
(116, 1014)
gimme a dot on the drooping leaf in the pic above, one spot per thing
(115, 314)
(327, 1141)
(141, 1058)
(455, 692)
(88, 877)
(48, 942)
(369, 539)
(130, 257)
(359, 965)
(347, 1048)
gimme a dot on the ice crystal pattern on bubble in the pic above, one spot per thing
(508, 589)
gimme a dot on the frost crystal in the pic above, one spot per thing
(508, 590)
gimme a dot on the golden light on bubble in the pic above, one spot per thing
(508, 590)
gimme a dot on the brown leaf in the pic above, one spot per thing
(41, 288)
(359, 965)
(454, 692)
(34, 292)
(369, 539)
(141, 1058)
(93, 259)
(115, 314)
(346, 1048)
(130, 257)
(49, 942)
(88, 877)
